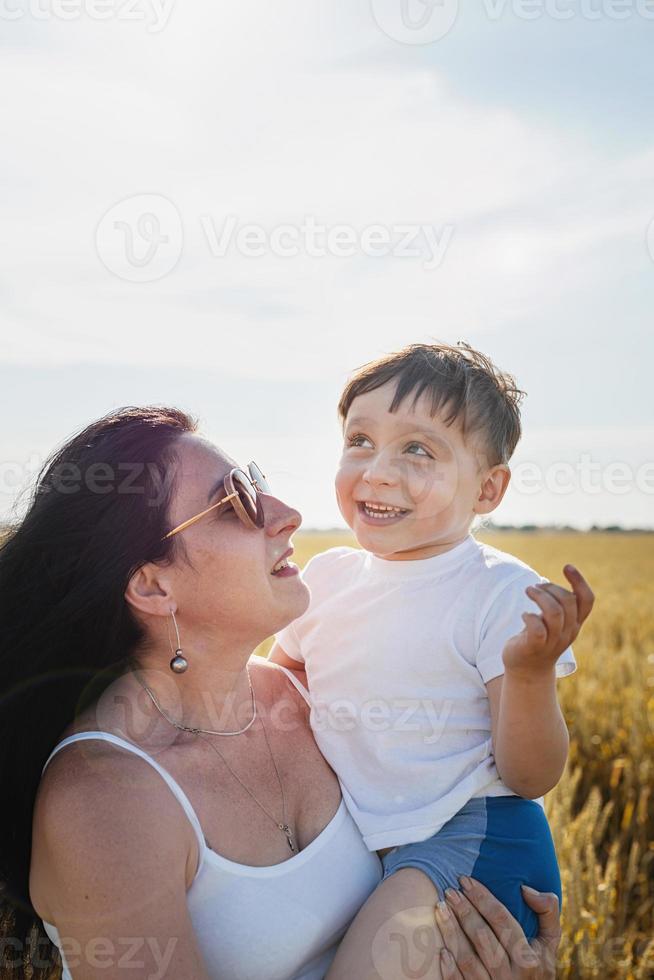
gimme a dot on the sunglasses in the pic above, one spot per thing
(242, 492)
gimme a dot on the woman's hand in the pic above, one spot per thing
(484, 942)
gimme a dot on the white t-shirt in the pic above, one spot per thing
(397, 655)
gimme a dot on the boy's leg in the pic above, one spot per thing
(394, 936)
(502, 841)
(517, 849)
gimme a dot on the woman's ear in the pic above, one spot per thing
(149, 591)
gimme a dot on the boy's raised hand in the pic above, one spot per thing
(547, 634)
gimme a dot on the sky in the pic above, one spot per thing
(230, 207)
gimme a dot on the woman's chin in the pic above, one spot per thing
(297, 598)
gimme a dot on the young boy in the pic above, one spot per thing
(432, 672)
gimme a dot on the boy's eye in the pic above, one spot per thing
(357, 439)
(421, 448)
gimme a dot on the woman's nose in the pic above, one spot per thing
(279, 516)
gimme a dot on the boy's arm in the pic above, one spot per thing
(530, 738)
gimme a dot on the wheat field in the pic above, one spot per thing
(602, 811)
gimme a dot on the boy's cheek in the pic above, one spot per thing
(346, 512)
(344, 484)
(430, 495)
(344, 500)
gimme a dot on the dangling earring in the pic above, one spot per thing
(179, 663)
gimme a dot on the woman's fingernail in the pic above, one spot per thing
(447, 959)
(466, 883)
(442, 912)
(452, 896)
(529, 890)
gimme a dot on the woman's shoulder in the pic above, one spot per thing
(97, 771)
(271, 679)
(96, 776)
(97, 800)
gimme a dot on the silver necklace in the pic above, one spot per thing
(196, 731)
(284, 827)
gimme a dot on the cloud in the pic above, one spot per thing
(270, 114)
(355, 147)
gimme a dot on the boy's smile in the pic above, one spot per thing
(377, 513)
(408, 484)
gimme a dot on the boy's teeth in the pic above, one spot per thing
(382, 510)
(280, 564)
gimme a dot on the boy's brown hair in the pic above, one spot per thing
(460, 380)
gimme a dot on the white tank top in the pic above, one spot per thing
(281, 922)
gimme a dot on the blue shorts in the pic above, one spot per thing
(502, 841)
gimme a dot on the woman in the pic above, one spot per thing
(171, 814)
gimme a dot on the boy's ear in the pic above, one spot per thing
(149, 592)
(493, 487)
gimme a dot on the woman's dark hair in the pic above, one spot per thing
(98, 512)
